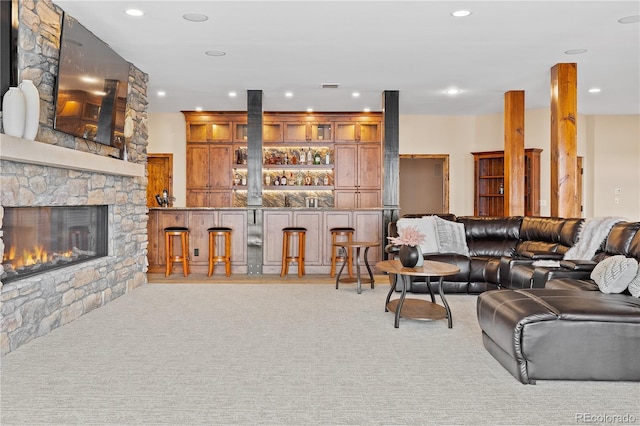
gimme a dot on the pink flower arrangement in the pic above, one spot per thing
(408, 236)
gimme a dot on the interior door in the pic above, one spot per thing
(160, 177)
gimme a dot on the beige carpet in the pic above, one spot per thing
(292, 354)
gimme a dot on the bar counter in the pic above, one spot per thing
(257, 235)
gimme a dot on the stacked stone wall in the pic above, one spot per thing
(34, 306)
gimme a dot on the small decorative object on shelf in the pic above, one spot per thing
(501, 189)
(409, 240)
(32, 109)
(13, 112)
(309, 157)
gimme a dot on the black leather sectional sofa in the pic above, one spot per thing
(546, 322)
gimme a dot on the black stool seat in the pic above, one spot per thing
(345, 229)
(176, 228)
(219, 228)
(294, 229)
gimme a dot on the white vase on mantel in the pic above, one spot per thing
(32, 108)
(13, 112)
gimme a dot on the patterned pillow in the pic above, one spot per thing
(614, 273)
(634, 285)
(451, 237)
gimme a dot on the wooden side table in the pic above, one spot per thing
(417, 308)
(358, 245)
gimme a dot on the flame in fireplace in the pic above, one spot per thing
(30, 257)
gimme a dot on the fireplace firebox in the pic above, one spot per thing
(39, 239)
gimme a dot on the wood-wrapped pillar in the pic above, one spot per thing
(564, 117)
(514, 172)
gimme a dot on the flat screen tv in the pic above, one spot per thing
(91, 88)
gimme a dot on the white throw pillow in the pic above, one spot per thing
(427, 226)
(634, 285)
(613, 274)
(451, 237)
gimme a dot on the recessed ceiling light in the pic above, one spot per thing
(134, 12)
(355, 94)
(575, 51)
(309, 109)
(195, 17)
(594, 90)
(367, 110)
(629, 19)
(215, 53)
(232, 94)
(199, 109)
(452, 91)
(289, 94)
(162, 93)
(460, 13)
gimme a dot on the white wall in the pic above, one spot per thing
(610, 146)
(615, 147)
(168, 134)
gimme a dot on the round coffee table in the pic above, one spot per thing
(348, 245)
(417, 308)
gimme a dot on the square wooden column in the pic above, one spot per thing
(564, 117)
(514, 173)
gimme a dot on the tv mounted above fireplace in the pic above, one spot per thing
(91, 87)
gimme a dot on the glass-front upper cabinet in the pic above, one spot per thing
(369, 131)
(308, 132)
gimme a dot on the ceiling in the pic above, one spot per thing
(415, 47)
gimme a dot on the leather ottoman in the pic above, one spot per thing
(543, 334)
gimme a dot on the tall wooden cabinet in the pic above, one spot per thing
(489, 183)
(216, 175)
(358, 174)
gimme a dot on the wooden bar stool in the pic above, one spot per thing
(214, 233)
(183, 233)
(287, 255)
(336, 252)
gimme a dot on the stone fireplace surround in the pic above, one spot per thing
(31, 175)
(59, 169)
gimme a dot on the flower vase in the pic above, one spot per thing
(13, 110)
(32, 108)
(409, 256)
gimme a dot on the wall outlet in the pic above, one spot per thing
(196, 252)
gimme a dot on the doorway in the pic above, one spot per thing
(424, 183)
(160, 177)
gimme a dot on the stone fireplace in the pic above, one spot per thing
(36, 174)
(61, 171)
